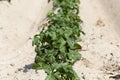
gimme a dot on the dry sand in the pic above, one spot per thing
(20, 20)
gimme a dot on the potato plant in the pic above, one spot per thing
(57, 43)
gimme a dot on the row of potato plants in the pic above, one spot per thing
(57, 43)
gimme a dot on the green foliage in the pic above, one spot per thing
(56, 46)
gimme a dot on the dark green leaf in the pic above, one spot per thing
(70, 43)
(53, 35)
(36, 40)
(74, 56)
(77, 46)
(50, 77)
(62, 49)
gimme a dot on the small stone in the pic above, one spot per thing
(118, 68)
(8, 74)
(100, 23)
(12, 64)
(20, 69)
(83, 77)
(111, 54)
(16, 71)
(111, 43)
(118, 45)
(101, 36)
(30, 38)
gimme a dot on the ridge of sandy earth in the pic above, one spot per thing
(19, 21)
(101, 44)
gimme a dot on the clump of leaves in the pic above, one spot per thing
(57, 44)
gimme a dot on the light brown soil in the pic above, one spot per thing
(101, 45)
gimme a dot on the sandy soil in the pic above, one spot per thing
(19, 21)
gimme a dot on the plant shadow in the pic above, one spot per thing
(27, 68)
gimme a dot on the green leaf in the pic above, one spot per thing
(56, 66)
(68, 33)
(50, 77)
(77, 46)
(62, 42)
(35, 66)
(36, 40)
(49, 13)
(62, 49)
(74, 56)
(37, 49)
(57, 75)
(53, 35)
(70, 43)
(38, 66)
